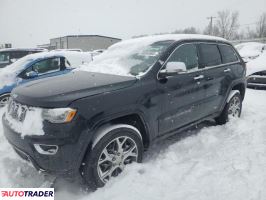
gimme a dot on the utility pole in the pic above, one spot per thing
(211, 21)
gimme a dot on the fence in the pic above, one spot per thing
(262, 40)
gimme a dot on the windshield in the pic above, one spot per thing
(4, 57)
(128, 59)
(19, 64)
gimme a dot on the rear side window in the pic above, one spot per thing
(228, 54)
(209, 55)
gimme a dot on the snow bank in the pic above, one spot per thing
(219, 162)
(118, 58)
(213, 163)
(14, 171)
(257, 65)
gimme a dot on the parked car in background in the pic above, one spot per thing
(77, 50)
(8, 56)
(37, 66)
(256, 72)
(250, 50)
(97, 120)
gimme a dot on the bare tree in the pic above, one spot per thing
(227, 24)
(261, 27)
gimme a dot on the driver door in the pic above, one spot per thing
(182, 94)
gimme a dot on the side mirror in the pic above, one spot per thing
(173, 68)
(32, 74)
(13, 60)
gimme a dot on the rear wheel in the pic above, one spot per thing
(112, 153)
(4, 100)
(232, 109)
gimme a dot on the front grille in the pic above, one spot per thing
(17, 111)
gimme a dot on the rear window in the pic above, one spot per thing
(228, 54)
(209, 55)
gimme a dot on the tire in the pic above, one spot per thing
(96, 163)
(227, 112)
(4, 100)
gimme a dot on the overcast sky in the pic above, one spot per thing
(26, 23)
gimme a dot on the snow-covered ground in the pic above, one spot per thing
(210, 162)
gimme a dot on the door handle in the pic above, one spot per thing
(199, 77)
(227, 70)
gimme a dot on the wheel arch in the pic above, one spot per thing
(241, 87)
(134, 120)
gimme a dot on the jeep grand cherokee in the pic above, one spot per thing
(96, 123)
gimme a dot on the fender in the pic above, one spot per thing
(230, 89)
(231, 94)
(103, 121)
(106, 129)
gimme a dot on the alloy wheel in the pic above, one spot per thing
(234, 107)
(120, 152)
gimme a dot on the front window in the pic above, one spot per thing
(128, 59)
(186, 54)
(47, 66)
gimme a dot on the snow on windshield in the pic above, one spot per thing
(135, 56)
(9, 73)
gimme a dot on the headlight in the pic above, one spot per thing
(59, 115)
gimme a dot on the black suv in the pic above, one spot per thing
(94, 124)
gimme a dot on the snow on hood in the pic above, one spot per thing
(250, 49)
(257, 65)
(9, 73)
(113, 60)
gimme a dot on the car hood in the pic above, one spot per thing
(257, 65)
(60, 91)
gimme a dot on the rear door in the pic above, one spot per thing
(181, 94)
(217, 77)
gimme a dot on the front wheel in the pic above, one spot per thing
(112, 153)
(231, 110)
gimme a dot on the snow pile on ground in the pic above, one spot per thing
(257, 65)
(250, 50)
(14, 171)
(207, 163)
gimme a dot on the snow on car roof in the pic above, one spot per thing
(176, 37)
(75, 58)
(22, 49)
(9, 73)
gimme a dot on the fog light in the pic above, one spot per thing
(46, 149)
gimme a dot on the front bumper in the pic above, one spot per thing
(68, 158)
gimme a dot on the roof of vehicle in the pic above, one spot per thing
(175, 37)
(75, 58)
(23, 49)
